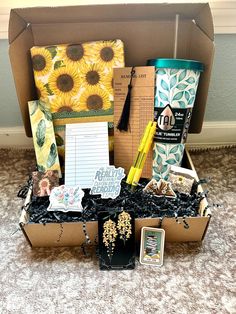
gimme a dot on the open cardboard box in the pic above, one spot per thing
(147, 31)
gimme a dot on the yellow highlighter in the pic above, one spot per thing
(149, 142)
(139, 168)
(130, 176)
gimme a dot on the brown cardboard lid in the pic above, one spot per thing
(23, 17)
(146, 30)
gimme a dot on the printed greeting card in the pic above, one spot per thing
(44, 182)
(152, 246)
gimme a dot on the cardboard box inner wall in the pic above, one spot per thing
(71, 234)
(147, 31)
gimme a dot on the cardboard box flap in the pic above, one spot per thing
(200, 12)
(205, 21)
(16, 26)
(147, 31)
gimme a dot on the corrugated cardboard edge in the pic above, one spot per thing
(203, 236)
(16, 26)
(71, 234)
(21, 17)
(204, 209)
(205, 21)
(24, 233)
(24, 217)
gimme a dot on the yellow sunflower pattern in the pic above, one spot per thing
(75, 70)
(41, 90)
(65, 104)
(77, 80)
(93, 75)
(41, 61)
(107, 53)
(64, 81)
(94, 98)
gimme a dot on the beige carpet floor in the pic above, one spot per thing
(195, 277)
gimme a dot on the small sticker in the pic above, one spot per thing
(107, 182)
(172, 124)
(160, 188)
(65, 199)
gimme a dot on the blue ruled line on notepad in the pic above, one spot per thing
(86, 150)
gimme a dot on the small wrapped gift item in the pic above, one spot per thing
(159, 188)
(182, 179)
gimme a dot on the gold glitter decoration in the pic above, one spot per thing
(109, 237)
(124, 226)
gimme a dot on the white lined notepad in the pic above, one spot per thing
(86, 150)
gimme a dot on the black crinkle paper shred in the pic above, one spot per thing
(143, 204)
(25, 188)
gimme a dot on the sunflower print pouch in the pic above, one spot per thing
(77, 81)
